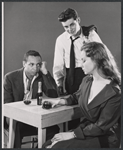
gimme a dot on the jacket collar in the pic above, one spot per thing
(103, 96)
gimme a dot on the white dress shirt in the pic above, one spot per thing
(28, 94)
(62, 53)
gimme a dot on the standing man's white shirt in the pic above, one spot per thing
(62, 53)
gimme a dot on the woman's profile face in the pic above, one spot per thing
(88, 65)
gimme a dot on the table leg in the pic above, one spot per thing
(12, 127)
(41, 137)
(65, 126)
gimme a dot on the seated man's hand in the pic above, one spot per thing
(43, 68)
(60, 91)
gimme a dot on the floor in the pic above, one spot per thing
(25, 141)
(27, 144)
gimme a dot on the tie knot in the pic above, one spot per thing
(74, 39)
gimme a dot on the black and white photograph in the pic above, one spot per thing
(61, 74)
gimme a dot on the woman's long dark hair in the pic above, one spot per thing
(105, 61)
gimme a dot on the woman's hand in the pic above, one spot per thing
(63, 136)
(56, 101)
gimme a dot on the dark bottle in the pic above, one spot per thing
(39, 94)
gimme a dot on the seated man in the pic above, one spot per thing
(15, 89)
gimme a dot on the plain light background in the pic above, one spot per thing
(34, 25)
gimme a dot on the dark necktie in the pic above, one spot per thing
(28, 84)
(72, 62)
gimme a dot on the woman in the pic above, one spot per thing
(99, 98)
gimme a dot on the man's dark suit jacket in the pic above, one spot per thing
(14, 86)
(14, 91)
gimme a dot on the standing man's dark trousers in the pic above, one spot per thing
(78, 76)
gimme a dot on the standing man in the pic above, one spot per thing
(67, 58)
(23, 84)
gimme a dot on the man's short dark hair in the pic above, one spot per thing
(31, 53)
(68, 14)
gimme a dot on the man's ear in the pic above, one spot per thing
(79, 20)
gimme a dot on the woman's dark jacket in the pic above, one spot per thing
(100, 116)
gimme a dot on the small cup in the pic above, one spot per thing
(47, 105)
(27, 102)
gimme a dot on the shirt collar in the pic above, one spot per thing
(25, 77)
(68, 35)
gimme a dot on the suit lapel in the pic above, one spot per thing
(20, 82)
(86, 86)
(103, 96)
(18, 86)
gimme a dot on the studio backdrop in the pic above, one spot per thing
(34, 26)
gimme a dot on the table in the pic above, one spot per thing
(38, 117)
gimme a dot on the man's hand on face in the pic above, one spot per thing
(43, 67)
